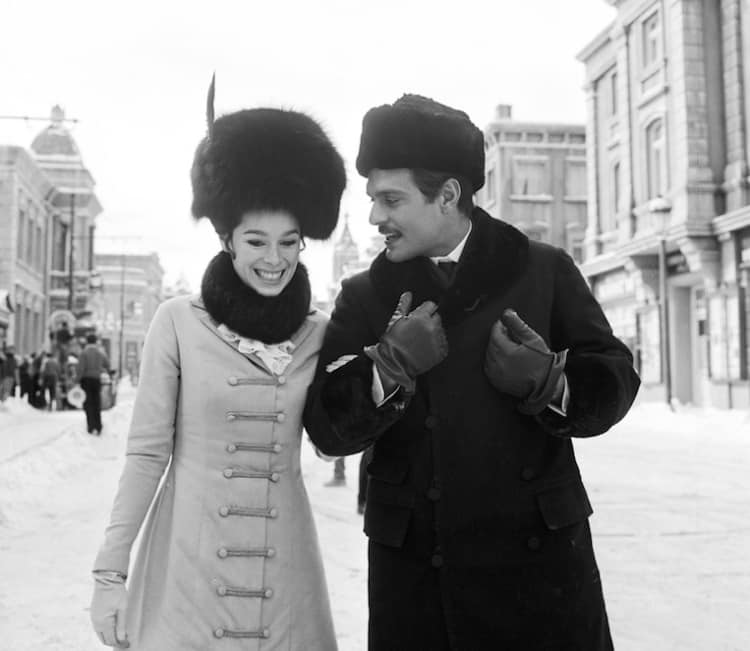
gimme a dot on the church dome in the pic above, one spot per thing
(55, 140)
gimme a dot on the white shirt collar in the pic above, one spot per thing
(455, 255)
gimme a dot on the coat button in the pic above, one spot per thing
(274, 512)
(528, 473)
(221, 590)
(227, 472)
(277, 447)
(431, 422)
(224, 511)
(266, 633)
(219, 632)
(281, 379)
(270, 552)
(433, 494)
(437, 560)
(232, 380)
(280, 418)
(534, 544)
(222, 552)
(268, 593)
(275, 476)
(231, 447)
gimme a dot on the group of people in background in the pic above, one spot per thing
(35, 377)
(44, 378)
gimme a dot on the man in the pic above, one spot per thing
(92, 362)
(471, 390)
(8, 373)
(50, 373)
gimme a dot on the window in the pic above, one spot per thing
(20, 238)
(39, 259)
(656, 163)
(651, 40)
(531, 177)
(615, 188)
(613, 94)
(575, 178)
(490, 184)
(29, 236)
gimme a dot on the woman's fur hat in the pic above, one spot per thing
(267, 159)
(418, 132)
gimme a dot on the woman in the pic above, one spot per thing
(229, 557)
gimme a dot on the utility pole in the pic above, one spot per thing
(122, 314)
(666, 364)
(71, 258)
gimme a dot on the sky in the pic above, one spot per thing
(135, 76)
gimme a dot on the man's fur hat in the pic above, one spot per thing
(267, 159)
(418, 132)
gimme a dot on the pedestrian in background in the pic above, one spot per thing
(50, 379)
(229, 557)
(24, 377)
(8, 373)
(92, 362)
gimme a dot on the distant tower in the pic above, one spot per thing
(345, 252)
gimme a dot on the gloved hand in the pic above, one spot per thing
(412, 344)
(108, 608)
(519, 363)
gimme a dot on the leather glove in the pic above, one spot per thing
(519, 363)
(108, 608)
(413, 343)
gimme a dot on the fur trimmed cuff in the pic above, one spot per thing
(346, 397)
(595, 400)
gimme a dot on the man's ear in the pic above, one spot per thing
(450, 194)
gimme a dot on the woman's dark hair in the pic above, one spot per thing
(429, 184)
(90, 338)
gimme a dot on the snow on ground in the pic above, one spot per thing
(671, 527)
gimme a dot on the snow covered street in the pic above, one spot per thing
(671, 527)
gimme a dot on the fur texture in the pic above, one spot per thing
(417, 132)
(268, 159)
(270, 319)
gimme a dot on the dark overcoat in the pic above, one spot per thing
(476, 514)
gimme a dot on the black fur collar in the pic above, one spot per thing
(270, 319)
(494, 257)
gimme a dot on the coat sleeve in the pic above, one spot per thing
(599, 367)
(150, 441)
(340, 415)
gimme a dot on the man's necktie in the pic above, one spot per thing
(447, 267)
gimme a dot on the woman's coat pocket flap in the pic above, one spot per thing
(564, 505)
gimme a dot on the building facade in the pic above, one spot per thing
(667, 246)
(25, 217)
(47, 215)
(130, 290)
(536, 179)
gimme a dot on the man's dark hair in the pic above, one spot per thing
(90, 338)
(429, 184)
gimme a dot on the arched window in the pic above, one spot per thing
(656, 160)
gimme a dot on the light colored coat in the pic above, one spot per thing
(229, 557)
